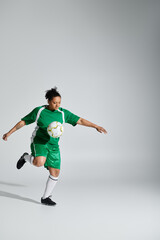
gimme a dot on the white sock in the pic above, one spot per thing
(29, 158)
(51, 182)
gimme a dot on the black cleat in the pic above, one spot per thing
(48, 201)
(21, 161)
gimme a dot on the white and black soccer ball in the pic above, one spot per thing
(55, 129)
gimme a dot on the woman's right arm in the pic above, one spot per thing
(15, 128)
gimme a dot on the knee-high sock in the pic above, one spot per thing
(51, 182)
(29, 158)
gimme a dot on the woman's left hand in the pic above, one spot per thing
(101, 130)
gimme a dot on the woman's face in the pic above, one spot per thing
(55, 103)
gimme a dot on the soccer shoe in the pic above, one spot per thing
(47, 201)
(21, 161)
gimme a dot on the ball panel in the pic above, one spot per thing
(55, 129)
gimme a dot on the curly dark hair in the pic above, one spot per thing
(50, 94)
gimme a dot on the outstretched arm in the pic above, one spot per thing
(86, 123)
(15, 128)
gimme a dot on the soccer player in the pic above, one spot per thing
(44, 148)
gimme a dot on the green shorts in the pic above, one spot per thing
(52, 154)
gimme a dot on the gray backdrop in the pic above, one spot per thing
(104, 58)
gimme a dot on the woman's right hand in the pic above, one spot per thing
(5, 136)
(16, 127)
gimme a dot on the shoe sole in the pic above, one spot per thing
(48, 204)
(20, 160)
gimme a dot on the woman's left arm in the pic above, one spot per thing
(86, 123)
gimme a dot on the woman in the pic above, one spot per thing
(45, 149)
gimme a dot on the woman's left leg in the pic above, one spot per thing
(52, 163)
(54, 171)
(51, 182)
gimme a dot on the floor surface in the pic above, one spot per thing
(84, 210)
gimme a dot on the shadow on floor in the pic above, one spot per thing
(12, 184)
(15, 196)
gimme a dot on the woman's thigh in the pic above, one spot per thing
(39, 152)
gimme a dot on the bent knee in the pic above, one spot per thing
(38, 164)
(39, 161)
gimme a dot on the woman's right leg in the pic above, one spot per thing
(39, 161)
(41, 151)
(36, 161)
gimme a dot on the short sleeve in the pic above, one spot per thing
(70, 117)
(31, 117)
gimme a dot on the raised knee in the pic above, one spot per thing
(38, 163)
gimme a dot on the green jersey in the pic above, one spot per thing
(43, 117)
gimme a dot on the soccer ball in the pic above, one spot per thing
(55, 129)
